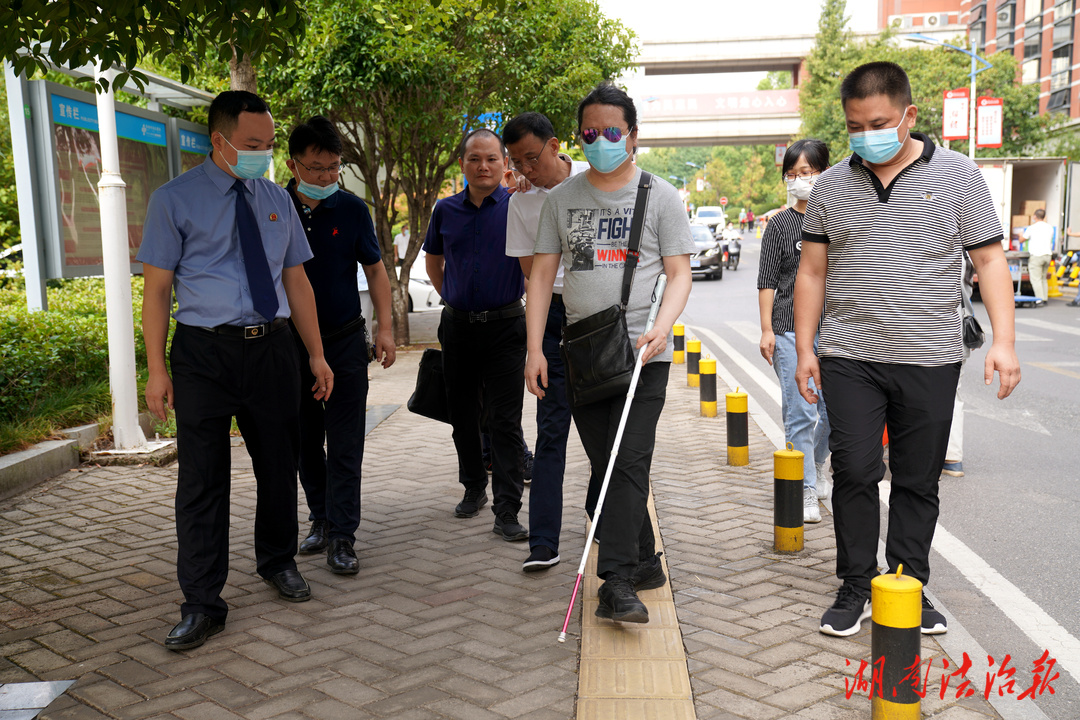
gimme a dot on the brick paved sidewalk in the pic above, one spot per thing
(440, 622)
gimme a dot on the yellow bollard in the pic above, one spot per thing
(679, 354)
(693, 356)
(707, 366)
(788, 500)
(895, 641)
(1052, 288)
(738, 431)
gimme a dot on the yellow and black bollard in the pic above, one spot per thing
(895, 639)
(738, 431)
(679, 354)
(788, 500)
(707, 366)
(693, 356)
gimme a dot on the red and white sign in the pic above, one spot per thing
(778, 156)
(723, 201)
(954, 115)
(989, 119)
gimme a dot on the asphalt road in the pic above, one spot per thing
(1014, 519)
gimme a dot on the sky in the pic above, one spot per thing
(720, 19)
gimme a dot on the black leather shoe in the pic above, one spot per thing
(316, 539)
(192, 631)
(290, 585)
(341, 557)
(470, 504)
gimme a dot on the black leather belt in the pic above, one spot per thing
(513, 310)
(248, 332)
(350, 327)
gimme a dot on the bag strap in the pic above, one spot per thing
(633, 249)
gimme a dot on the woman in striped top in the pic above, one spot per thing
(805, 426)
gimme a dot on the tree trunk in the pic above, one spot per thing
(399, 298)
(242, 74)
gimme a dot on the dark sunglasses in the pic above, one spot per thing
(614, 134)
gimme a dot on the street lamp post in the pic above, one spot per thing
(704, 171)
(677, 177)
(919, 37)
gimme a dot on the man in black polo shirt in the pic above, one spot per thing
(885, 229)
(340, 233)
(482, 331)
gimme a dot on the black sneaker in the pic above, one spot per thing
(933, 622)
(619, 602)
(540, 557)
(649, 574)
(506, 524)
(845, 617)
(527, 476)
(470, 504)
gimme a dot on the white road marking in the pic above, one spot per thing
(772, 431)
(766, 383)
(1032, 620)
(749, 330)
(1046, 325)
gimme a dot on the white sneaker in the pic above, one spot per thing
(824, 483)
(810, 511)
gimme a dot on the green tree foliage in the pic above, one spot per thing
(932, 70)
(123, 32)
(666, 162)
(745, 174)
(402, 85)
(776, 80)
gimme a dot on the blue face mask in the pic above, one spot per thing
(315, 192)
(876, 146)
(250, 164)
(606, 156)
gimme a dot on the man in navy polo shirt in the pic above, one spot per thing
(482, 331)
(341, 235)
(229, 242)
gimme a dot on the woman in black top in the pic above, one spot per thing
(806, 426)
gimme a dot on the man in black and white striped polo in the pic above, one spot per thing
(885, 230)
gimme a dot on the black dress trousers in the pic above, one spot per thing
(217, 377)
(484, 366)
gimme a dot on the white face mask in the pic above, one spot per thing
(800, 188)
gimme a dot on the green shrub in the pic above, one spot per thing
(54, 368)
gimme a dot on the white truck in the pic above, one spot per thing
(1018, 183)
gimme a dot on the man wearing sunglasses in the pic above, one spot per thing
(482, 331)
(340, 233)
(534, 152)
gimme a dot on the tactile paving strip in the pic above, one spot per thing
(633, 671)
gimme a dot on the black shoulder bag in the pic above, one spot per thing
(596, 350)
(973, 332)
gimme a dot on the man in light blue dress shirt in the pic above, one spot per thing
(228, 242)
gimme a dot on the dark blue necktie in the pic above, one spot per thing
(261, 285)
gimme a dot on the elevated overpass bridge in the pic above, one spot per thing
(743, 118)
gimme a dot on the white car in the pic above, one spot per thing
(422, 294)
(711, 216)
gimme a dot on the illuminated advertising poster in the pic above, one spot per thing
(144, 166)
(194, 147)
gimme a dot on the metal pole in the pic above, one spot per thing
(971, 114)
(33, 249)
(112, 198)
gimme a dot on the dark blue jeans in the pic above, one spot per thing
(331, 479)
(552, 430)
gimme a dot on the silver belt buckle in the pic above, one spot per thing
(481, 316)
(254, 331)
